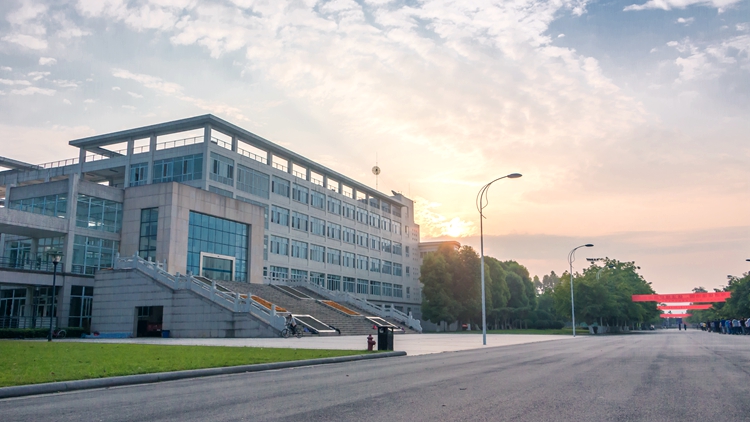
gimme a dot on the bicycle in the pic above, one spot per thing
(58, 334)
(289, 331)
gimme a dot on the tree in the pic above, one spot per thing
(549, 282)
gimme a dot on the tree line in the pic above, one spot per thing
(736, 306)
(451, 281)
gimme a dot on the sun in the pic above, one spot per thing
(458, 228)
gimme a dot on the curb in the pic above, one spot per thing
(64, 386)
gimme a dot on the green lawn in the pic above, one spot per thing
(548, 331)
(32, 362)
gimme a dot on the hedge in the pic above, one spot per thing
(70, 332)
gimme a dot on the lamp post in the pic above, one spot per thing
(483, 201)
(571, 258)
(55, 261)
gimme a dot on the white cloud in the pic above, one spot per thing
(712, 60)
(89, 101)
(47, 61)
(6, 68)
(654, 50)
(37, 75)
(128, 107)
(721, 5)
(561, 36)
(62, 83)
(31, 90)
(28, 41)
(115, 88)
(148, 81)
(67, 101)
(742, 27)
(135, 95)
(686, 21)
(14, 82)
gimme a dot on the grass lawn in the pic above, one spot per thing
(32, 362)
(547, 331)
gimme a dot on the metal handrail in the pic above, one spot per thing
(30, 265)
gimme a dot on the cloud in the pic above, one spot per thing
(67, 101)
(135, 95)
(26, 41)
(62, 83)
(148, 81)
(6, 68)
(432, 224)
(37, 75)
(14, 82)
(89, 101)
(686, 21)
(561, 36)
(128, 107)
(711, 60)
(115, 88)
(47, 61)
(721, 5)
(32, 90)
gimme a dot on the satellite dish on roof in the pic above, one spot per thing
(376, 170)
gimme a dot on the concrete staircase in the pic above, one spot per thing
(349, 325)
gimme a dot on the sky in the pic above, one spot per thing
(629, 120)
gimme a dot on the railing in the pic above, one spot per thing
(249, 154)
(59, 163)
(30, 265)
(228, 299)
(280, 166)
(346, 297)
(302, 176)
(27, 322)
(316, 181)
(179, 143)
(223, 144)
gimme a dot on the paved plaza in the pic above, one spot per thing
(412, 344)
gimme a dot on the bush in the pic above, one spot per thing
(70, 332)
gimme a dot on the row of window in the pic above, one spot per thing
(337, 282)
(52, 205)
(98, 214)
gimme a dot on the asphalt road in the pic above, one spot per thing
(662, 376)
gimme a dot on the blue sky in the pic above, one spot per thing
(628, 119)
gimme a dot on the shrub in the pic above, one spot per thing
(70, 332)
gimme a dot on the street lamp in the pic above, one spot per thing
(483, 201)
(571, 258)
(55, 261)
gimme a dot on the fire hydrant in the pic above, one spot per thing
(370, 343)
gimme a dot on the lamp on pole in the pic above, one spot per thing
(483, 201)
(52, 311)
(571, 258)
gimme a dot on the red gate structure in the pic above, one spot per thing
(684, 297)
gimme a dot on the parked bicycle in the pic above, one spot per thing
(58, 334)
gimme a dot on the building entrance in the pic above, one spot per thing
(148, 321)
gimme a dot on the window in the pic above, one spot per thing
(347, 259)
(408, 292)
(385, 245)
(299, 275)
(279, 273)
(52, 205)
(318, 200)
(374, 202)
(280, 186)
(375, 265)
(279, 245)
(265, 248)
(397, 269)
(348, 235)
(334, 256)
(260, 204)
(317, 226)
(334, 282)
(98, 214)
(362, 239)
(252, 181)
(334, 231)
(375, 288)
(138, 174)
(386, 207)
(385, 224)
(222, 192)
(396, 211)
(407, 271)
(222, 169)
(362, 286)
(396, 248)
(299, 249)
(92, 253)
(396, 228)
(375, 220)
(349, 283)
(398, 290)
(179, 169)
(362, 262)
(349, 211)
(362, 215)
(214, 235)
(387, 289)
(317, 278)
(386, 267)
(147, 239)
(406, 249)
(279, 215)
(374, 243)
(81, 299)
(317, 253)
(334, 205)
(300, 193)
(300, 221)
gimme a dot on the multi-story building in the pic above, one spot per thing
(166, 198)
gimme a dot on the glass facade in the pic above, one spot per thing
(98, 214)
(92, 253)
(138, 174)
(222, 192)
(279, 245)
(280, 186)
(52, 205)
(179, 169)
(222, 169)
(300, 193)
(214, 235)
(252, 181)
(147, 239)
(279, 215)
(318, 200)
(81, 299)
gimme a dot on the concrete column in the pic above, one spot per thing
(67, 251)
(206, 156)
(341, 188)
(289, 166)
(308, 174)
(131, 144)
(34, 249)
(81, 159)
(234, 143)
(325, 181)
(269, 158)
(151, 152)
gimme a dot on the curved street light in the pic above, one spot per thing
(571, 258)
(483, 201)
